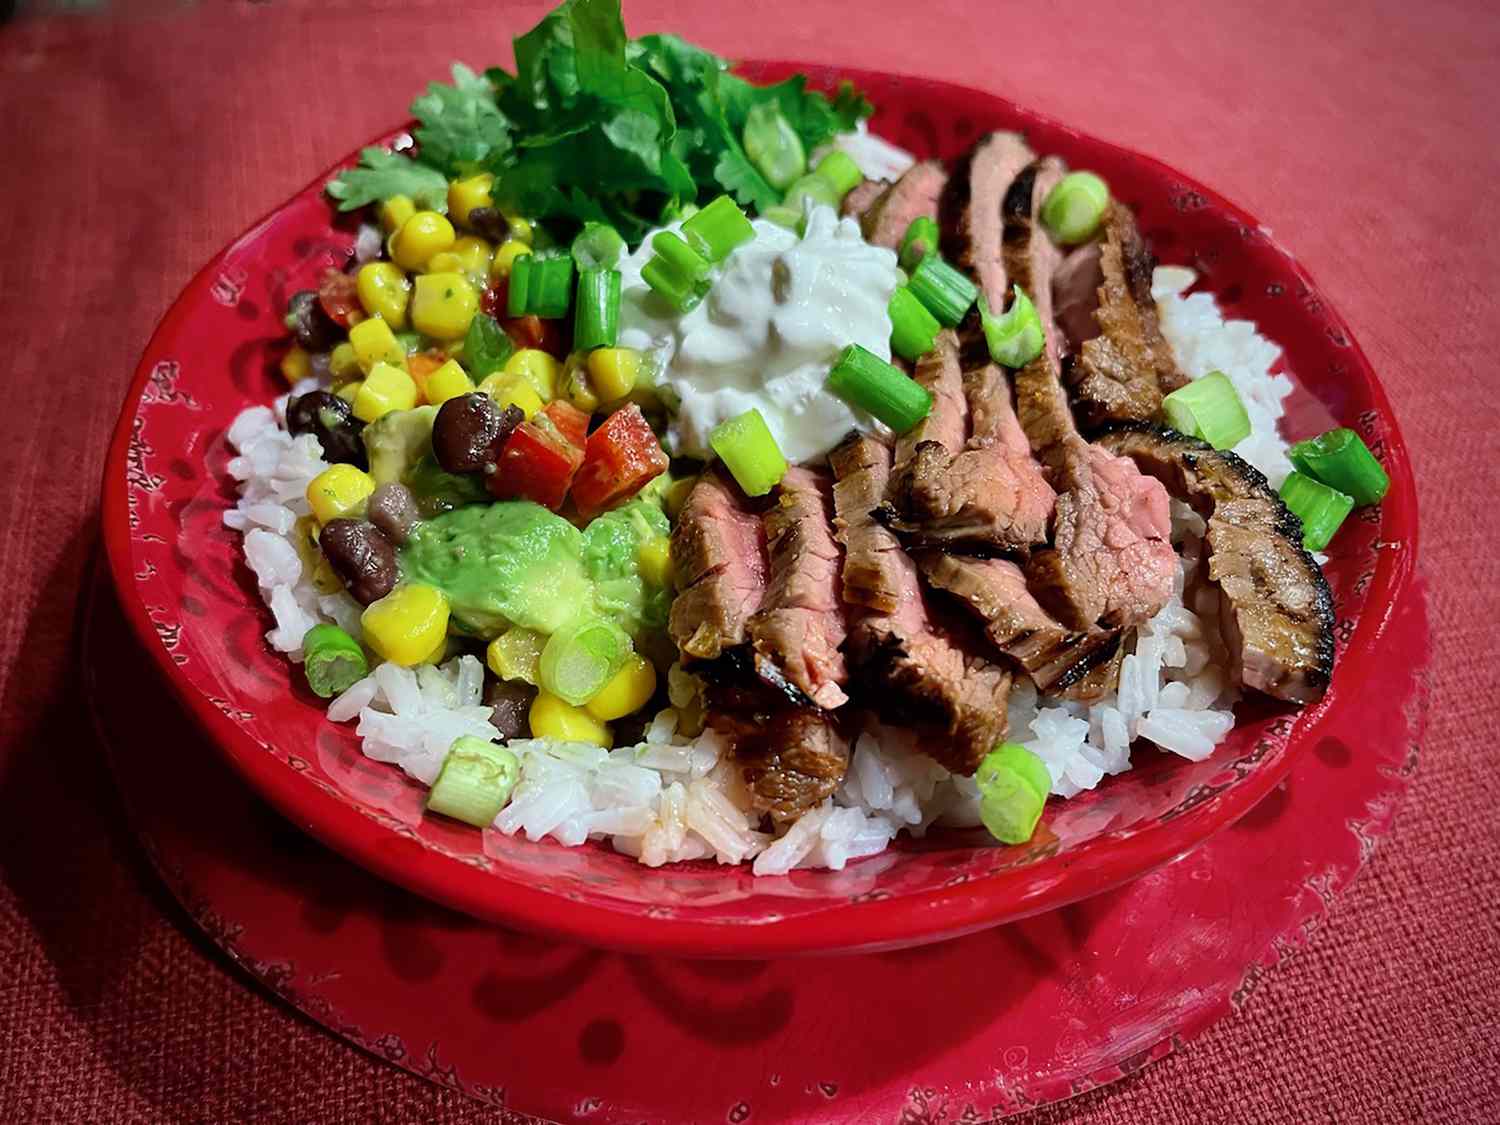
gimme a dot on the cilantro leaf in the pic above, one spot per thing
(382, 174)
(460, 126)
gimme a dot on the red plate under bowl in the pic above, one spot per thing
(189, 596)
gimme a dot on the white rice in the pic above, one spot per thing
(675, 798)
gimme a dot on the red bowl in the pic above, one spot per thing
(194, 605)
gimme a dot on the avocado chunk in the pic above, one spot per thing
(504, 564)
(395, 442)
(611, 557)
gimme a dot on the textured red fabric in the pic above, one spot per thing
(138, 141)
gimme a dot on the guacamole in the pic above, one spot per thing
(611, 558)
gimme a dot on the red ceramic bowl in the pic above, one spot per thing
(194, 605)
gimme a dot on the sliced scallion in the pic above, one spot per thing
(946, 292)
(332, 660)
(1320, 508)
(913, 328)
(518, 296)
(813, 187)
(717, 229)
(773, 146)
(1015, 337)
(1013, 786)
(581, 658)
(676, 271)
(475, 782)
(596, 313)
(1341, 460)
(783, 216)
(540, 286)
(839, 169)
(749, 451)
(597, 247)
(920, 241)
(868, 382)
(1073, 209)
(1208, 408)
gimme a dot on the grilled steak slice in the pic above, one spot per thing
(1276, 612)
(719, 558)
(797, 632)
(861, 196)
(1075, 296)
(983, 494)
(1030, 257)
(909, 669)
(1121, 374)
(884, 221)
(970, 210)
(1056, 658)
(792, 763)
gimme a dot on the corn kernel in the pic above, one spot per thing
(448, 381)
(350, 391)
(538, 368)
(516, 654)
(424, 234)
(374, 342)
(385, 388)
(339, 492)
(384, 292)
(474, 254)
(513, 390)
(629, 690)
(395, 211)
(446, 262)
(421, 366)
(677, 494)
(407, 625)
(465, 195)
(505, 258)
(296, 365)
(550, 717)
(443, 305)
(654, 559)
(521, 229)
(574, 385)
(438, 654)
(314, 562)
(343, 363)
(614, 372)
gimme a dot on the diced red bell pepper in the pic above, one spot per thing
(621, 457)
(338, 293)
(571, 422)
(537, 463)
(524, 331)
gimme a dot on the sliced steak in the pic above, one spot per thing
(798, 630)
(792, 763)
(973, 228)
(861, 196)
(721, 567)
(1276, 612)
(1121, 373)
(1056, 658)
(1075, 296)
(909, 669)
(1030, 256)
(915, 194)
(982, 493)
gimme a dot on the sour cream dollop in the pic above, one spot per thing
(780, 311)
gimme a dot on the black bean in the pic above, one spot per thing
(488, 221)
(470, 430)
(393, 509)
(332, 421)
(361, 556)
(511, 700)
(314, 328)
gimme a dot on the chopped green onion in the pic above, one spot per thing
(540, 286)
(919, 242)
(475, 782)
(673, 250)
(863, 379)
(839, 169)
(596, 313)
(676, 271)
(783, 216)
(1320, 508)
(1208, 408)
(946, 292)
(717, 229)
(814, 187)
(773, 146)
(1015, 338)
(597, 247)
(486, 347)
(518, 295)
(1341, 460)
(1013, 786)
(745, 444)
(332, 660)
(1072, 210)
(581, 658)
(913, 328)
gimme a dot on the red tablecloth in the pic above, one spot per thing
(135, 144)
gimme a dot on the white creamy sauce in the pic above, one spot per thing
(780, 311)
